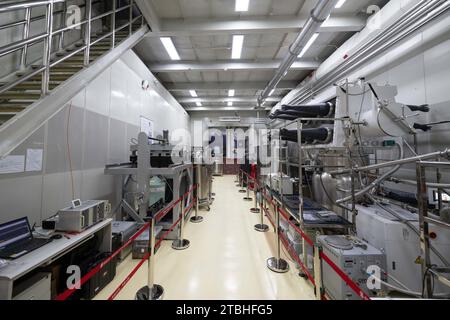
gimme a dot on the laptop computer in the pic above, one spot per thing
(16, 239)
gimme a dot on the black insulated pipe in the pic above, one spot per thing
(316, 110)
(308, 135)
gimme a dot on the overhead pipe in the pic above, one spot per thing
(318, 16)
(407, 24)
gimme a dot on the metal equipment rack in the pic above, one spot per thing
(428, 269)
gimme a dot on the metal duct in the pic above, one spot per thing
(407, 24)
(318, 16)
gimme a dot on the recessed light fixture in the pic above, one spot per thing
(230, 103)
(308, 45)
(170, 48)
(242, 5)
(193, 93)
(238, 43)
(340, 4)
(231, 93)
(199, 104)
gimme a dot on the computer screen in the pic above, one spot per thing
(13, 231)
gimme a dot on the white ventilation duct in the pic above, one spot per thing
(400, 50)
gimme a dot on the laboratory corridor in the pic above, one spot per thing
(226, 258)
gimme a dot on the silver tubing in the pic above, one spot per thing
(47, 50)
(87, 32)
(181, 243)
(242, 183)
(276, 264)
(25, 35)
(422, 197)
(151, 291)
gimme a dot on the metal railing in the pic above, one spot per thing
(50, 33)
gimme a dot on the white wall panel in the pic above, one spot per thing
(98, 93)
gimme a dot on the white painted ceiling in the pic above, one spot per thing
(202, 31)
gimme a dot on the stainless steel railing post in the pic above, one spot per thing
(63, 24)
(276, 264)
(181, 243)
(197, 218)
(151, 291)
(131, 17)
(261, 227)
(113, 25)
(47, 49)
(25, 35)
(87, 32)
(247, 189)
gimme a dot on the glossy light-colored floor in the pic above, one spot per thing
(226, 259)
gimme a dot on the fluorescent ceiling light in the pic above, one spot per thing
(170, 48)
(340, 4)
(193, 93)
(231, 93)
(242, 5)
(238, 43)
(230, 103)
(271, 92)
(199, 104)
(308, 45)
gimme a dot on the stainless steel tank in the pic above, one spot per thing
(218, 168)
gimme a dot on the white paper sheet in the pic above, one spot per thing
(12, 164)
(34, 160)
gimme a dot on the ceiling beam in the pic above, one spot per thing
(225, 65)
(149, 13)
(251, 99)
(237, 85)
(254, 25)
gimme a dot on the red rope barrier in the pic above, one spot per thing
(129, 277)
(294, 255)
(297, 229)
(66, 294)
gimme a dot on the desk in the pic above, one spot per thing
(49, 253)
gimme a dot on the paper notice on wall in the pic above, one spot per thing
(12, 164)
(147, 126)
(34, 160)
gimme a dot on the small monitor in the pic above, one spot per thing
(76, 203)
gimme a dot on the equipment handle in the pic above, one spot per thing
(423, 127)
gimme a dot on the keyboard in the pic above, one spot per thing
(21, 248)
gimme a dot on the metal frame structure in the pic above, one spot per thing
(143, 172)
(50, 33)
(428, 269)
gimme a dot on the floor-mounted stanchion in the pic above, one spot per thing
(181, 243)
(239, 178)
(261, 227)
(196, 218)
(151, 291)
(247, 189)
(242, 183)
(276, 264)
(255, 209)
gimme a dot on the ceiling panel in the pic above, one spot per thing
(263, 46)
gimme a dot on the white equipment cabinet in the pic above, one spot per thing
(400, 243)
